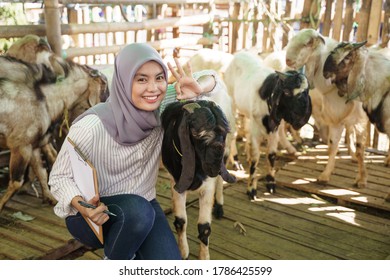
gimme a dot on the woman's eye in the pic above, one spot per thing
(160, 78)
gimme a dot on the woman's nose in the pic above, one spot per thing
(152, 86)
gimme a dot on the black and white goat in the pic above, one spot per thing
(194, 153)
(267, 99)
(310, 49)
(364, 74)
(27, 114)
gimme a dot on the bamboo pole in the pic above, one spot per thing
(327, 18)
(374, 22)
(288, 15)
(364, 15)
(305, 22)
(348, 20)
(386, 25)
(234, 28)
(338, 20)
(53, 25)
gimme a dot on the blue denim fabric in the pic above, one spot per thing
(140, 229)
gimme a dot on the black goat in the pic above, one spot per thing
(193, 152)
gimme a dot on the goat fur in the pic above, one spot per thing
(27, 115)
(310, 49)
(194, 152)
(259, 93)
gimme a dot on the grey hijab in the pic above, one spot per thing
(124, 122)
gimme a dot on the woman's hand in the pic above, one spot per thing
(186, 87)
(95, 215)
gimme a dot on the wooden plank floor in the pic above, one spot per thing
(303, 220)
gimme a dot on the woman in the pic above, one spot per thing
(122, 138)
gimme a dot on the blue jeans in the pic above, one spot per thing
(140, 230)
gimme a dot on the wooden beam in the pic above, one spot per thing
(13, 31)
(158, 45)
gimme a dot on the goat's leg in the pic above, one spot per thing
(273, 139)
(19, 160)
(361, 135)
(253, 160)
(283, 139)
(206, 199)
(350, 141)
(50, 153)
(180, 223)
(218, 204)
(335, 132)
(41, 173)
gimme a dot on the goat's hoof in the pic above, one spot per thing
(271, 188)
(252, 194)
(360, 185)
(218, 211)
(322, 182)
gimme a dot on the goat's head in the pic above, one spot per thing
(339, 63)
(199, 133)
(290, 99)
(34, 49)
(300, 47)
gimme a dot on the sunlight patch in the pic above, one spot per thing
(340, 192)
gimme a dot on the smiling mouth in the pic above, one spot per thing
(151, 98)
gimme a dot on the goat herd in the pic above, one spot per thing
(341, 85)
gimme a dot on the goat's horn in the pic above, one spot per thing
(226, 176)
(190, 107)
(359, 44)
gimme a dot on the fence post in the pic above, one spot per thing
(386, 25)
(348, 20)
(53, 25)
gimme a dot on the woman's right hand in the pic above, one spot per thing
(95, 215)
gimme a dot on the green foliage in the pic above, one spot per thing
(10, 14)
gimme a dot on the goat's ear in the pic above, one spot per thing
(226, 176)
(188, 157)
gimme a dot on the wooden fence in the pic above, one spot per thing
(92, 31)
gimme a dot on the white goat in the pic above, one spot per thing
(266, 99)
(364, 74)
(310, 49)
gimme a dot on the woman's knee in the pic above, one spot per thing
(135, 212)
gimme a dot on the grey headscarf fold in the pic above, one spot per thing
(124, 122)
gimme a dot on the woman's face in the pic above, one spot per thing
(149, 86)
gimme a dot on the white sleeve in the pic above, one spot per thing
(61, 182)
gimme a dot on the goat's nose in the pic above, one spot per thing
(289, 62)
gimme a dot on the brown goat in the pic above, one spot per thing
(27, 115)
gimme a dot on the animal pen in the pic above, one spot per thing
(302, 220)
